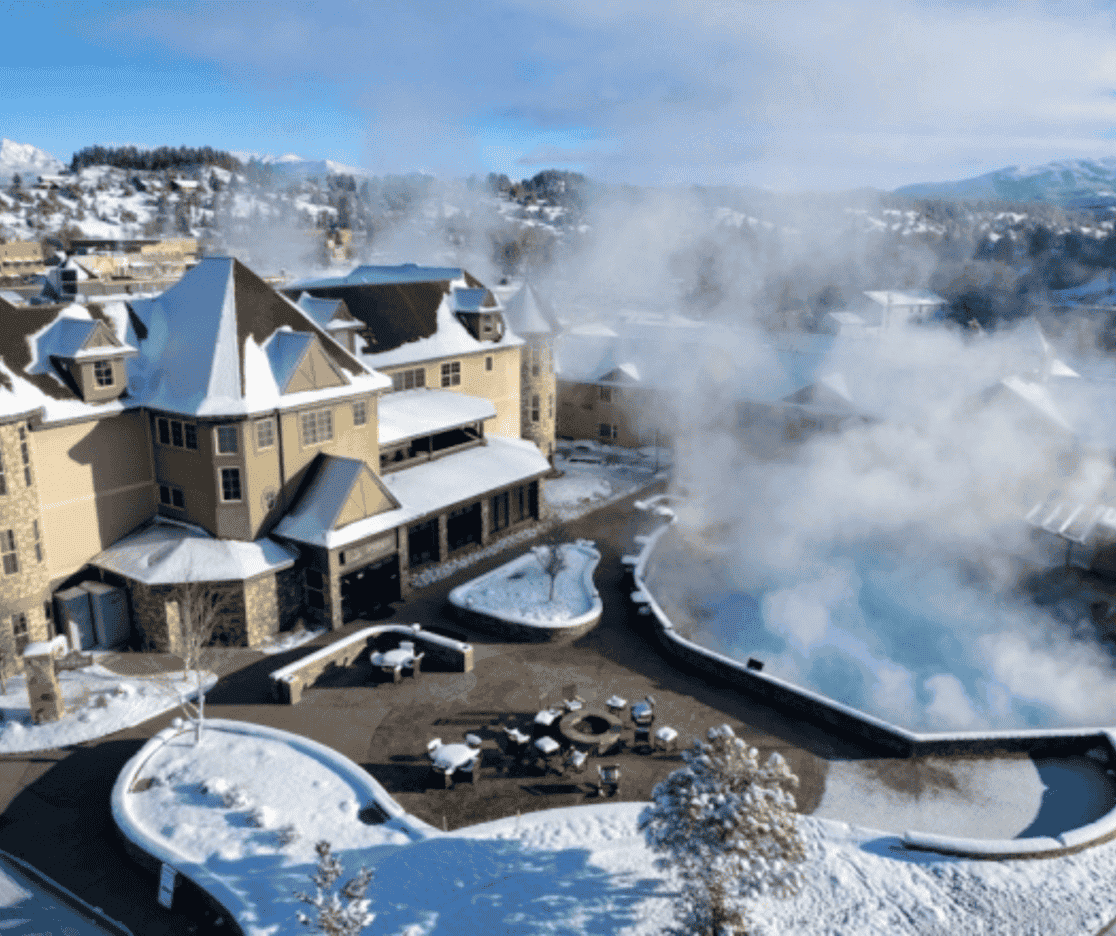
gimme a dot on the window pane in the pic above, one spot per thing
(102, 372)
(420, 377)
(191, 432)
(227, 440)
(360, 414)
(230, 484)
(409, 380)
(164, 494)
(11, 564)
(179, 499)
(397, 381)
(176, 433)
(164, 432)
(265, 433)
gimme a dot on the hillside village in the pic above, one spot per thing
(325, 444)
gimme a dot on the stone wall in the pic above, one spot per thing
(261, 609)
(23, 592)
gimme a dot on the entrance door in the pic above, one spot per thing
(366, 591)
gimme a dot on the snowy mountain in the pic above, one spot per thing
(25, 159)
(1071, 181)
(293, 166)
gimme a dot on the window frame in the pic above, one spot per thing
(535, 409)
(38, 540)
(488, 362)
(173, 493)
(3, 476)
(165, 430)
(230, 473)
(267, 423)
(451, 373)
(413, 378)
(9, 552)
(360, 413)
(100, 368)
(316, 418)
(20, 633)
(25, 452)
(224, 433)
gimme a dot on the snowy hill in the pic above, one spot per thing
(1063, 181)
(27, 160)
(291, 165)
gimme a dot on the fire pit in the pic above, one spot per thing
(587, 727)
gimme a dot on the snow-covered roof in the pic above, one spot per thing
(341, 491)
(371, 274)
(473, 300)
(205, 349)
(449, 339)
(433, 486)
(409, 414)
(527, 314)
(169, 553)
(331, 314)
(905, 297)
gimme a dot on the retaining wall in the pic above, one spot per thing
(154, 852)
(821, 710)
(288, 683)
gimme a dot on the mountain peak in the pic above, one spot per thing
(1061, 181)
(26, 160)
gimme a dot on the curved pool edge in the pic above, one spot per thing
(830, 713)
(153, 852)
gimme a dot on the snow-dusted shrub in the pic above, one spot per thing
(262, 817)
(336, 917)
(287, 834)
(728, 829)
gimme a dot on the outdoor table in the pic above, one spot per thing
(449, 758)
(616, 705)
(666, 738)
(393, 658)
(643, 713)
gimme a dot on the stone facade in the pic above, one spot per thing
(42, 688)
(25, 591)
(271, 603)
(537, 380)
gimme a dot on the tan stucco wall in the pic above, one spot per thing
(500, 385)
(95, 485)
(349, 441)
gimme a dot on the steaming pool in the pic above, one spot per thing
(916, 639)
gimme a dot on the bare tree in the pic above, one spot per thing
(336, 918)
(552, 560)
(199, 605)
(728, 829)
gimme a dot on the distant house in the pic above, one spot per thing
(220, 432)
(896, 306)
(21, 258)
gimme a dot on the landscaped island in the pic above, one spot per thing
(522, 601)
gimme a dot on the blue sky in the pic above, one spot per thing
(787, 95)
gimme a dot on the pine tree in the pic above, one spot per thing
(727, 828)
(337, 918)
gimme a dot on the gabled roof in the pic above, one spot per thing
(400, 306)
(905, 297)
(202, 350)
(527, 314)
(331, 314)
(339, 491)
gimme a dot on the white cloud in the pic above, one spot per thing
(950, 706)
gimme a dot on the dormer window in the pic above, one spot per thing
(102, 373)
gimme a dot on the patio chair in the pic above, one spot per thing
(577, 762)
(643, 713)
(616, 704)
(416, 666)
(433, 746)
(608, 779)
(642, 741)
(666, 739)
(518, 742)
(547, 754)
(571, 700)
(469, 771)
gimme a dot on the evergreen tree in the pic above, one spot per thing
(728, 830)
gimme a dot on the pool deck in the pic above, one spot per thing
(56, 802)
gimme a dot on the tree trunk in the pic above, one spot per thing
(201, 708)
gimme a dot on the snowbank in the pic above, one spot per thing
(98, 702)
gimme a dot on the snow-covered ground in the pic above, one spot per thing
(581, 870)
(595, 474)
(98, 702)
(521, 591)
